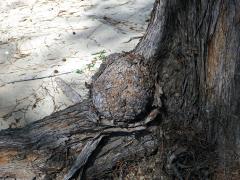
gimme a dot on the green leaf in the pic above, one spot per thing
(79, 71)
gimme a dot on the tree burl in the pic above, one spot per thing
(123, 88)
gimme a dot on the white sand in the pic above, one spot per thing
(40, 39)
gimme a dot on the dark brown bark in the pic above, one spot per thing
(190, 53)
(198, 69)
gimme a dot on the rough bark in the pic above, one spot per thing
(124, 90)
(198, 69)
(48, 149)
(192, 48)
(186, 67)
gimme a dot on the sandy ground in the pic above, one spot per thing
(49, 48)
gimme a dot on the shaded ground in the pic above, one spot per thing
(49, 48)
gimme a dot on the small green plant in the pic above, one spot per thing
(101, 55)
(100, 52)
(98, 56)
(79, 71)
(91, 65)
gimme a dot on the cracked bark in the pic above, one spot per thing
(191, 49)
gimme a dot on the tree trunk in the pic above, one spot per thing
(184, 72)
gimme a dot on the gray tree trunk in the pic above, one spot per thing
(181, 80)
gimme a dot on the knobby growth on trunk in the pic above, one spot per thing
(179, 88)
